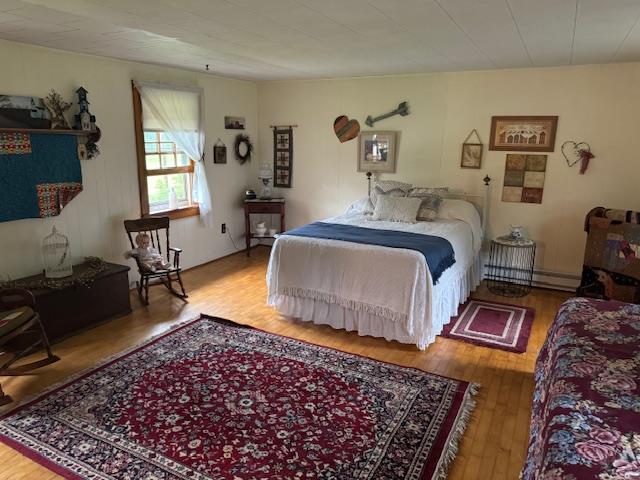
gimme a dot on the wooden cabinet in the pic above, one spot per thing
(275, 206)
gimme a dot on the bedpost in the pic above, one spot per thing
(369, 184)
(485, 205)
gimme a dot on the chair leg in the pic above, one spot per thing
(4, 399)
(184, 294)
(146, 292)
(45, 340)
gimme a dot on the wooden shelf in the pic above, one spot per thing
(254, 235)
(47, 131)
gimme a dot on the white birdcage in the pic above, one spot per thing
(56, 255)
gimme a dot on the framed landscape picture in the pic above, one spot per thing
(523, 134)
(377, 152)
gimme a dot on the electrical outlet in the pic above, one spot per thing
(223, 228)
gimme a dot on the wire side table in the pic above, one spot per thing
(510, 269)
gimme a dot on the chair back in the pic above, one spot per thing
(11, 298)
(155, 227)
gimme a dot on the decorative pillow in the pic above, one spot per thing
(465, 211)
(397, 209)
(386, 187)
(431, 201)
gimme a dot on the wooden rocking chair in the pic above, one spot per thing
(152, 226)
(21, 333)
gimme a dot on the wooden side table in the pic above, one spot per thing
(261, 206)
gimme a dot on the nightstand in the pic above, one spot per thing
(273, 206)
(510, 269)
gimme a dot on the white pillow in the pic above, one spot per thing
(386, 187)
(462, 210)
(358, 206)
(397, 209)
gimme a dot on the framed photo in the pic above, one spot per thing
(471, 155)
(377, 152)
(523, 134)
(219, 154)
(234, 123)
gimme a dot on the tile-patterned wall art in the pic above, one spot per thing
(524, 178)
(282, 156)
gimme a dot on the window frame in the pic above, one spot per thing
(143, 173)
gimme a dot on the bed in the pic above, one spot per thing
(585, 422)
(373, 289)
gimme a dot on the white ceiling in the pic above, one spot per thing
(277, 39)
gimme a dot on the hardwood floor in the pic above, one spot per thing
(234, 287)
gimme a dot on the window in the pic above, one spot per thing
(165, 173)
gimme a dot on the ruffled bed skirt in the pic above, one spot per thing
(453, 289)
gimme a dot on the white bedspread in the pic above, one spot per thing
(375, 290)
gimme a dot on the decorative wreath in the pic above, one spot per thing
(243, 140)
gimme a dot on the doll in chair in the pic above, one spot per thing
(148, 256)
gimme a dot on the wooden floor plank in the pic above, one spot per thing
(234, 288)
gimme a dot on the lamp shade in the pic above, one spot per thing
(265, 172)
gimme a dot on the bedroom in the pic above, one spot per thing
(456, 63)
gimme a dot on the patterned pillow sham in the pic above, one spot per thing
(431, 201)
(397, 209)
(386, 188)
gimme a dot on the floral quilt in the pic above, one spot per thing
(585, 422)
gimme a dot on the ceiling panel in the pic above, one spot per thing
(260, 39)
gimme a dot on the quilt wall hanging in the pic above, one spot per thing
(282, 156)
(39, 174)
(524, 178)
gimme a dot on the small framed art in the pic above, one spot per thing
(523, 134)
(377, 152)
(471, 152)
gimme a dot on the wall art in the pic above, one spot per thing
(219, 152)
(402, 110)
(23, 112)
(377, 152)
(346, 129)
(471, 152)
(577, 152)
(525, 134)
(524, 178)
(282, 156)
(234, 123)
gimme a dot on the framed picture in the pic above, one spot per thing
(377, 152)
(525, 134)
(524, 178)
(234, 123)
(219, 153)
(471, 155)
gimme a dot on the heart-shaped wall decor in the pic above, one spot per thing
(346, 129)
(571, 151)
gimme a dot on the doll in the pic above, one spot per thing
(148, 256)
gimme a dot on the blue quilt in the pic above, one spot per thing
(39, 174)
(437, 251)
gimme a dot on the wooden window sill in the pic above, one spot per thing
(177, 213)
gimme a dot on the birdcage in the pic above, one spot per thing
(56, 255)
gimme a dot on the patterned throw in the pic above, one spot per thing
(215, 400)
(585, 422)
(12, 143)
(493, 325)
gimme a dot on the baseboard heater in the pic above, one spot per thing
(553, 280)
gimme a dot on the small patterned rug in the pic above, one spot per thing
(493, 325)
(216, 400)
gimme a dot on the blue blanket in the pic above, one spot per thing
(437, 251)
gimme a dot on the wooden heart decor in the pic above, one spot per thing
(577, 152)
(346, 129)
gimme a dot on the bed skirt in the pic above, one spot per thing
(454, 288)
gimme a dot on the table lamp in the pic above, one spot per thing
(265, 174)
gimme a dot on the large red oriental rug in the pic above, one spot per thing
(215, 400)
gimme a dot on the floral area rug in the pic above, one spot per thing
(492, 324)
(216, 400)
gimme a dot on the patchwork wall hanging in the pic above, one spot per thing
(282, 155)
(524, 178)
(39, 174)
(611, 268)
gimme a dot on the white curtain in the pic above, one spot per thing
(178, 111)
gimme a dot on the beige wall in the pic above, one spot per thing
(596, 104)
(93, 220)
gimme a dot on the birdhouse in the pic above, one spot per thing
(83, 118)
